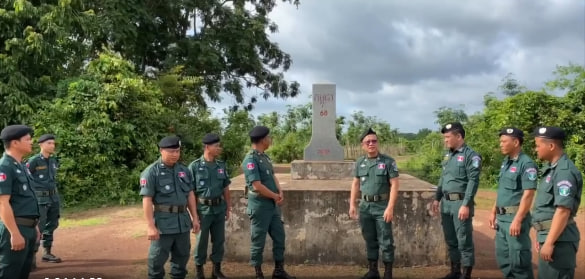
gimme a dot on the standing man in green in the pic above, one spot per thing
(264, 198)
(511, 213)
(213, 207)
(170, 209)
(455, 195)
(557, 200)
(376, 176)
(19, 211)
(43, 168)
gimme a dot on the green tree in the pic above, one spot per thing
(230, 49)
(445, 115)
(108, 124)
(43, 42)
(359, 123)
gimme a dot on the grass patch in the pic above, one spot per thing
(74, 223)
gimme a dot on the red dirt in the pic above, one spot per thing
(118, 249)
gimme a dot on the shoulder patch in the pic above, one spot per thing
(142, 182)
(532, 173)
(250, 166)
(475, 161)
(564, 188)
(2, 177)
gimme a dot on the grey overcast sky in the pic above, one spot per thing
(402, 60)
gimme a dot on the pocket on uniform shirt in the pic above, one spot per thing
(24, 188)
(166, 186)
(381, 176)
(511, 180)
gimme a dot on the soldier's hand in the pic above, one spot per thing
(152, 233)
(17, 242)
(435, 207)
(515, 228)
(388, 215)
(353, 213)
(537, 245)
(546, 252)
(196, 227)
(227, 214)
(492, 221)
(39, 235)
(463, 213)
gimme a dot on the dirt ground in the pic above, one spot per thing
(110, 243)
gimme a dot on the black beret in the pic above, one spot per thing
(259, 132)
(15, 132)
(549, 132)
(210, 139)
(513, 132)
(367, 132)
(46, 137)
(453, 126)
(170, 142)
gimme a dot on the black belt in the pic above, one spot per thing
(211, 202)
(375, 198)
(453, 196)
(46, 193)
(170, 208)
(28, 222)
(545, 225)
(507, 210)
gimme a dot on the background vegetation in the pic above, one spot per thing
(110, 78)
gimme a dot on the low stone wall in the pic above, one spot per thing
(319, 230)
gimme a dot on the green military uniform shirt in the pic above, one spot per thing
(257, 166)
(516, 175)
(15, 181)
(211, 179)
(460, 174)
(561, 185)
(44, 175)
(168, 186)
(374, 174)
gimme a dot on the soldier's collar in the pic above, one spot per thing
(560, 162)
(10, 158)
(203, 161)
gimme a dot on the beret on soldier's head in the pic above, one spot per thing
(549, 132)
(513, 132)
(210, 138)
(259, 132)
(15, 132)
(453, 126)
(367, 132)
(170, 142)
(46, 137)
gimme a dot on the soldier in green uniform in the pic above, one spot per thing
(43, 168)
(19, 211)
(455, 195)
(264, 198)
(557, 200)
(510, 215)
(213, 204)
(170, 209)
(376, 176)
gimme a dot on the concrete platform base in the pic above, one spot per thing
(321, 170)
(319, 230)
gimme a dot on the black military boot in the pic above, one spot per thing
(48, 257)
(216, 274)
(259, 274)
(373, 272)
(466, 272)
(387, 270)
(199, 272)
(455, 271)
(279, 272)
